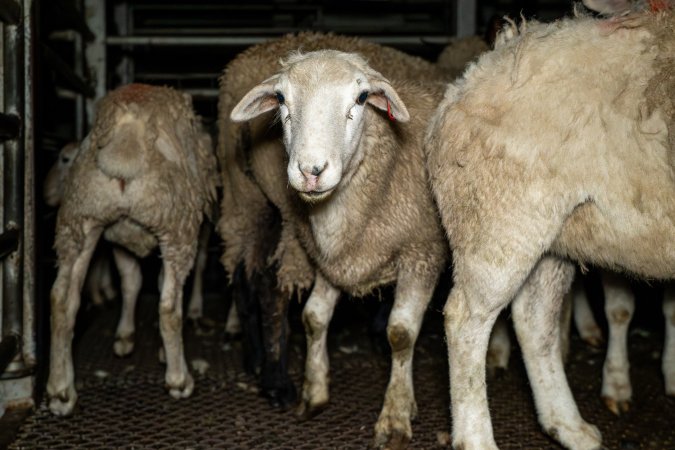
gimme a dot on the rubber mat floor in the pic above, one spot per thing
(122, 402)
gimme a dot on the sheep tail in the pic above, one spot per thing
(119, 142)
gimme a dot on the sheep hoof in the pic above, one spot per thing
(306, 411)
(123, 346)
(396, 440)
(62, 403)
(617, 407)
(182, 390)
(595, 341)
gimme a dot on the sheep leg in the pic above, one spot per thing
(619, 307)
(536, 315)
(413, 294)
(275, 382)
(583, 315)
(196, 304)
(179, 382)
(668, 359)
(499, 348)
(468, 332)
(232, 325)
(248, 310)
(65, 301)
(316, 317)
(565, 321)
(131, 278)
(107, 282)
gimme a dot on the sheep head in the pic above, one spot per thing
(321, 99)
(58, 174)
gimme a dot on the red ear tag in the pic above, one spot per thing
(658, 5)
(391, 116)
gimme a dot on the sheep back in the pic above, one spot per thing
(172, 185)
(577, 112)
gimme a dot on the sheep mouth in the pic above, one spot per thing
(315, 196)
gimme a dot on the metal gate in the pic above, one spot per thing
(17, 225)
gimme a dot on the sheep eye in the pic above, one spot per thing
(280, 98)
(361, 99)
(65, 159)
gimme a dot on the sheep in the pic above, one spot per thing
(459, 52)
(558, 144)
(144, 177)
(619, 307)
(99, 279)
(352, 186)
(252, 247)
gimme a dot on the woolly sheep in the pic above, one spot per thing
(252, 247)
(99, 279)
(359, 204)
(145, 176)
(558, 144)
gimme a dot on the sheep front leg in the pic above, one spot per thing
(275, 382)
(178, 378)
(413, 293)
(131, 278)
(583, 315)
(536, 316)
(316, 317)
(196, 305)
(619, 307)
(65, 301)
(668, 358)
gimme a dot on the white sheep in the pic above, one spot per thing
(99, 279)
(558, 144)
(352, 184)
(144, 177)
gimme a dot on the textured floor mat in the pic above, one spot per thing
(122, 402)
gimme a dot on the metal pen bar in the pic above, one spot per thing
(13, 183)
(248, 40)
(9, 348)
(10, 125)
(9, 242)
(74, 81)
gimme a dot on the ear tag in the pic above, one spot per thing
(391, 116)
(658, 5)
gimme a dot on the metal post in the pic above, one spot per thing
(95, 51)
(13, 61)
(29, 266)
(466, 18)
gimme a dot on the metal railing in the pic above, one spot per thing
(17, 344)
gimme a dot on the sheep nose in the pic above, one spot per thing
(312, 171)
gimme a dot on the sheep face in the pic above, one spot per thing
(321, 99)
(58, 174)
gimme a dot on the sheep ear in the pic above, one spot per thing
(258, 100)
(384, 97)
